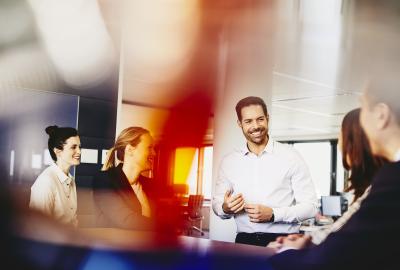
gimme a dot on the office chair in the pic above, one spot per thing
(194, 214)
(180, 190)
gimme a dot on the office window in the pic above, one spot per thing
(186, 167)
(340, 174)
(317, 156)
(193, 166)
(207, 172)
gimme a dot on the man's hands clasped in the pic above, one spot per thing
(234, 204)
(258, 212)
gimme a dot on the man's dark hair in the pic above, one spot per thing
(247, 101)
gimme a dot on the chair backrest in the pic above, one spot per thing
(180, 189)
(195, 204)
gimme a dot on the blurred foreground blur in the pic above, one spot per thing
(179, 67)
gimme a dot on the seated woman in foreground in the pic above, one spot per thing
(362, 166)
(120, 191)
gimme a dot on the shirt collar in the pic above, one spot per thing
(397, 155)
(269, 148)
(61, 175)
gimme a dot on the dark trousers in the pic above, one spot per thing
(257, 239)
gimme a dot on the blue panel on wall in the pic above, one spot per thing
(23, 140)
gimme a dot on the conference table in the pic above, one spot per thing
(43, 243)
(113, 238)
(145, 250)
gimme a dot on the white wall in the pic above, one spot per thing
(149, 118)
(152, 119)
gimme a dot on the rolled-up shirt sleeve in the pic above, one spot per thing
(222, 185)
(304, 193)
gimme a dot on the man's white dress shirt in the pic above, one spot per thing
(54, 193)
(277, 178)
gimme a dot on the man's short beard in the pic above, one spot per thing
(261, 142)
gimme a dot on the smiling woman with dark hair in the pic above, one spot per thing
(54, 191)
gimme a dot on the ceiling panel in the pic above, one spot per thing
(321, 55)
(328, 105)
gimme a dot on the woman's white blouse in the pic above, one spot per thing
(54, 193)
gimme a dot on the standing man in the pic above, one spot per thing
(264, 185)
(369, 239)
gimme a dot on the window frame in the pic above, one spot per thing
(200, 170)
(333, 163)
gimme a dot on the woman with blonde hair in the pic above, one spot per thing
(120, 189)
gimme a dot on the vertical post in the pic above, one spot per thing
(333, 167)
(200, 169)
